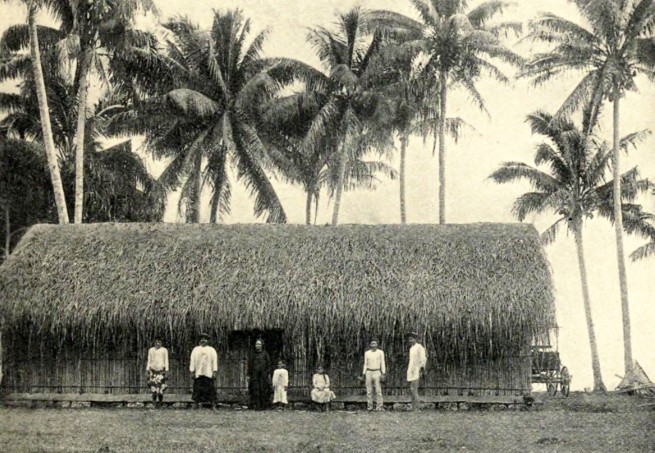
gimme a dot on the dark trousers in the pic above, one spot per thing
(204, 390)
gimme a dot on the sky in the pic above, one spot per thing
(498, 137)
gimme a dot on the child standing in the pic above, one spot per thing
(280, 384)
(321, 393)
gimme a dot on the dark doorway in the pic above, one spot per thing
(244, 341)
(233, 368)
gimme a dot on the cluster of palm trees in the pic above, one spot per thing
(616, 43)
(208, 102)
(112, 181)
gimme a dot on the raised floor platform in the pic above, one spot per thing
(184, 400)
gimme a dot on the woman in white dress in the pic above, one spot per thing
(321, 393)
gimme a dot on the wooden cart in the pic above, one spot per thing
(547, 367)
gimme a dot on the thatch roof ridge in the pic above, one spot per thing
(322, 282)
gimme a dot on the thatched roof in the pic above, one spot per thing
(475, 288)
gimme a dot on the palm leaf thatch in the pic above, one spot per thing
(474, 291)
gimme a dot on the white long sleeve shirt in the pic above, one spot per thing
(280, 378)
(204, 361)
(321, 381)
(374, 361)
(157, 359)
(417, 360)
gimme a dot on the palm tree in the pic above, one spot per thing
(86, 30)
(458, 44)
(574, 189)
(9, 69)
(97, 24)
(119, 186)
(615, 44)
(415, 102)
(354, 109)
(211, 87)
(286, 122)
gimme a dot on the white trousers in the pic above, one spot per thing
(373, 380)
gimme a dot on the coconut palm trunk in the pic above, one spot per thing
(443, 88)
(599, 386)
(82, 95)
(213, 215)
(403, 161)
(340, 182)
(618, 230)
(308, 208)
(44, 113)
(197, 191)
(7, 234)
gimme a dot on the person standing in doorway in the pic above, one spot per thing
(203, 367)
(415, 368)
(157, 369)
(259, 377)
(373, 374)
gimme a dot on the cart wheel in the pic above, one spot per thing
(565, 390)
(552, 389)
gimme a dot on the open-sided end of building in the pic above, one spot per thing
(81, 304)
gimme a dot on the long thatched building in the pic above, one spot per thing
(81, 304)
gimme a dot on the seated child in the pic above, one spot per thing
(280, 384)
(321, 393)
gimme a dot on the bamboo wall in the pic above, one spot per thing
(507, 376)
(35, 365)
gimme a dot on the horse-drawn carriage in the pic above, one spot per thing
(547, 367)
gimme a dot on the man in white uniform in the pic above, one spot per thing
(416, 367)
(203, 367)
(373, 374)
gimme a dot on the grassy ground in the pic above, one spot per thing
(580, 424)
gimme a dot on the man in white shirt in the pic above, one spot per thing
(373, 374)
(416, 367)
(157, 368)
(203, 367)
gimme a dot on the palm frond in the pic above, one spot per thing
(631, 140)
(545, 154)
(580, 94)
(248, 145)
(563, 29)
(11, 102)
(641, 20)
(550, 234)
(16, 67)
(643, 252)
(528, 203)
(644, 53)
(217, 178)
(428, 11)
(287, 70)
(192, 103)
(395, 24)
(517, 171)
(475, 95)
(483, 13)
(16, 38)
(506, 29)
